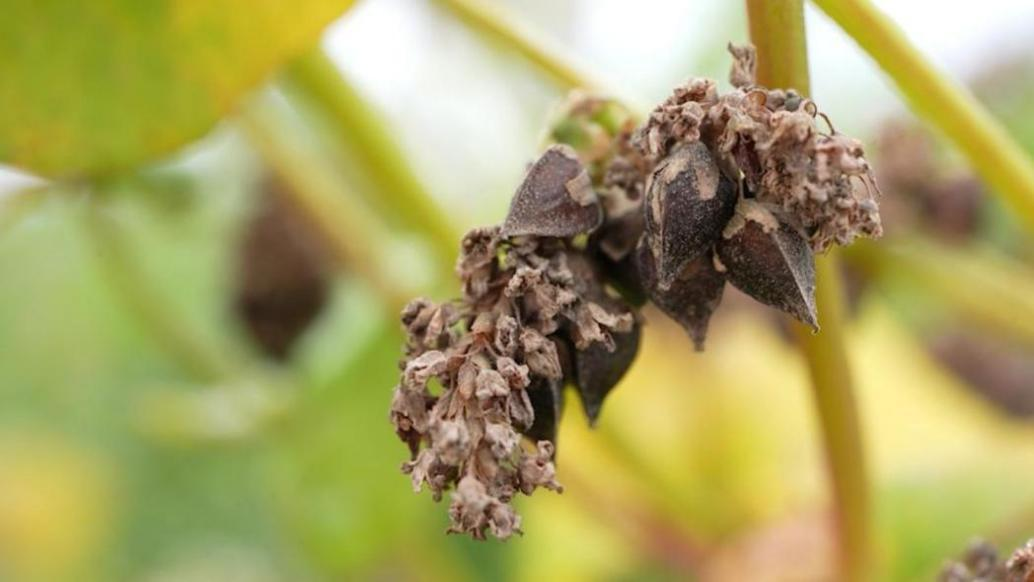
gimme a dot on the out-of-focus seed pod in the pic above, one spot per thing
(770, 261)
(555, 199)
(688, 203)
(692, 297)
(547, 400)
(598, 370)
(281, 282)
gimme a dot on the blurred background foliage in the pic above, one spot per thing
(197, 351)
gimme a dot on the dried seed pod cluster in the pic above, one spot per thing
(981, 563)
(741, 188)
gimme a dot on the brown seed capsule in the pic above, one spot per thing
(598, 370)
(282, 283)
(555, 199)
(688, 203)
(547, 400)
(692, 298)
(769, 261)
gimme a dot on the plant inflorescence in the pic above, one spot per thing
(742, 187)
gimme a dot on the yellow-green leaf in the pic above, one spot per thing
(91, 87)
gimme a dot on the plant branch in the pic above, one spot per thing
(366, 136)
(777, 29)
(127, 278)
(318, 194)
(943, 103)
(493, 22)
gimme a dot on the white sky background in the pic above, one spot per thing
(470, 117)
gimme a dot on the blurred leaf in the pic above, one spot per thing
(89, 87)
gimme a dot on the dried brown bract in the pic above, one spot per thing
(740, 187)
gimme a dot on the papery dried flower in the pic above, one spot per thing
(981, 563)
(499, 356)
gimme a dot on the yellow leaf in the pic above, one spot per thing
(91, 87)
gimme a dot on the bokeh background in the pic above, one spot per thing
(195, 374)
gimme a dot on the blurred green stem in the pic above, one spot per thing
(1000, 303)
(367, 136)
(946, 105)
(316, 191)
(128, 278)
(492, 21)
(777, 29)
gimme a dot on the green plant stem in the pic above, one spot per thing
(777, 29)
(493, 22)
(128, 278)
(946, 105)
(366, 136)
(777, 32)
(999, 304)
(318, 194)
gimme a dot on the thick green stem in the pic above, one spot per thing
(946, 105)
(127, 277)
(777, 29)
(366, 137)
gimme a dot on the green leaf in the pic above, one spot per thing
(91, 87)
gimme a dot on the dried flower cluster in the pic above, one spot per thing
(741, 187)
(981, 563)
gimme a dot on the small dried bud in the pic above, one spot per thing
(769, 261)
(555, 199)
(691, 299)
(744, 65)
(688, 203)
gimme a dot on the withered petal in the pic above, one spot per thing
(688, 203)
(770, 261)
(555, 199)
(598, 370)
(692, 297)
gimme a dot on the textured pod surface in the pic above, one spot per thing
(598, 370)
(691, 299)
(769, 261)
(555, 199)
(688, 203)
(547, 400)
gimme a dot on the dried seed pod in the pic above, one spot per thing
(555, 199)
(688, 203)
(598, 370)
(547, 400)
(282, 283)
(769, 261)
(692, 298)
